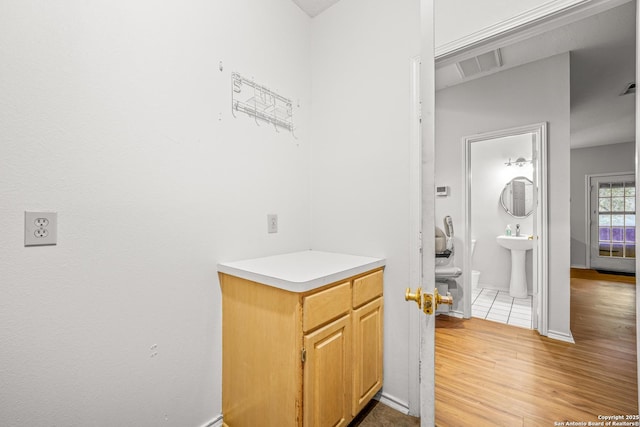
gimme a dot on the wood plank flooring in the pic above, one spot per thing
(582, 273)
(490, 374)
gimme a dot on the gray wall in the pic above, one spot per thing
(360, 154)
(532, 93)
(611, 158)
(116, 115)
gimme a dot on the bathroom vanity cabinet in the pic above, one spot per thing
(301, 349)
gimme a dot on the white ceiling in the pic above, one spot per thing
(600, 69)
(314, 7)
(602, 62)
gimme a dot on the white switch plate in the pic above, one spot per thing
(40, 228)
(272, 223)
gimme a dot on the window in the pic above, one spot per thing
(617, 219)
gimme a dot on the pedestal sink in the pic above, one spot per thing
(518, 245)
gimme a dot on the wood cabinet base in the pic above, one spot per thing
(309, 359)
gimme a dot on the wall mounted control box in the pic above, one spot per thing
(442, 191)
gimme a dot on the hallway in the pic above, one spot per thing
(490, 374)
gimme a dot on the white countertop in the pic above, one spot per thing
(301, 271)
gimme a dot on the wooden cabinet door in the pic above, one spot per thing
(327, 375)
(367, 353)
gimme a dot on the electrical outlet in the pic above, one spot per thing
(272, 223)
(41, 233)
(40, 228)
(41, 222)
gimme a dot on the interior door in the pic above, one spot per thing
(540, 226)
(612, 222)
(421, 358)
(426, 367)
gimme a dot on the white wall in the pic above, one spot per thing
(529, 94)
(361, 63)
(116, 116)
(488, 218)
(109, 115)
(587, 161)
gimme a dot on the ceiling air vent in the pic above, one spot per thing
(629, 88)
(480, 64)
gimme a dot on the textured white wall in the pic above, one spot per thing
(109, 114)
(532, 93)
(587, 161)
(361, 63)
(116, 116)
(488, 218)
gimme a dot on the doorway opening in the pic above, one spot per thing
(494, 180)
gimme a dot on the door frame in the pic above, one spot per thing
(540, 251)
(415, 230)
(587, 198)
(422, 338)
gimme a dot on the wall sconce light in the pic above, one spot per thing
(520, 161)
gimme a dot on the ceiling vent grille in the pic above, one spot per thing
(629, 88)
(480, 64)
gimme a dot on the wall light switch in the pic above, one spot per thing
(40, 228)
(442, 190)
(272, 223)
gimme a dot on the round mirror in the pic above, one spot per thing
(517, 197)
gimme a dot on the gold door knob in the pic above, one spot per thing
(442, 299)
(428, 303)
(431, 302)
(417, 296)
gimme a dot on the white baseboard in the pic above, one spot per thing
(383, 398)
(561, 336)
(392, 402)
(216, 422)
(580, 266)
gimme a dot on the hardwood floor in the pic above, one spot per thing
(490, 374)
(582, 273)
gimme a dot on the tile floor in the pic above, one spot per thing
(498, 306)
